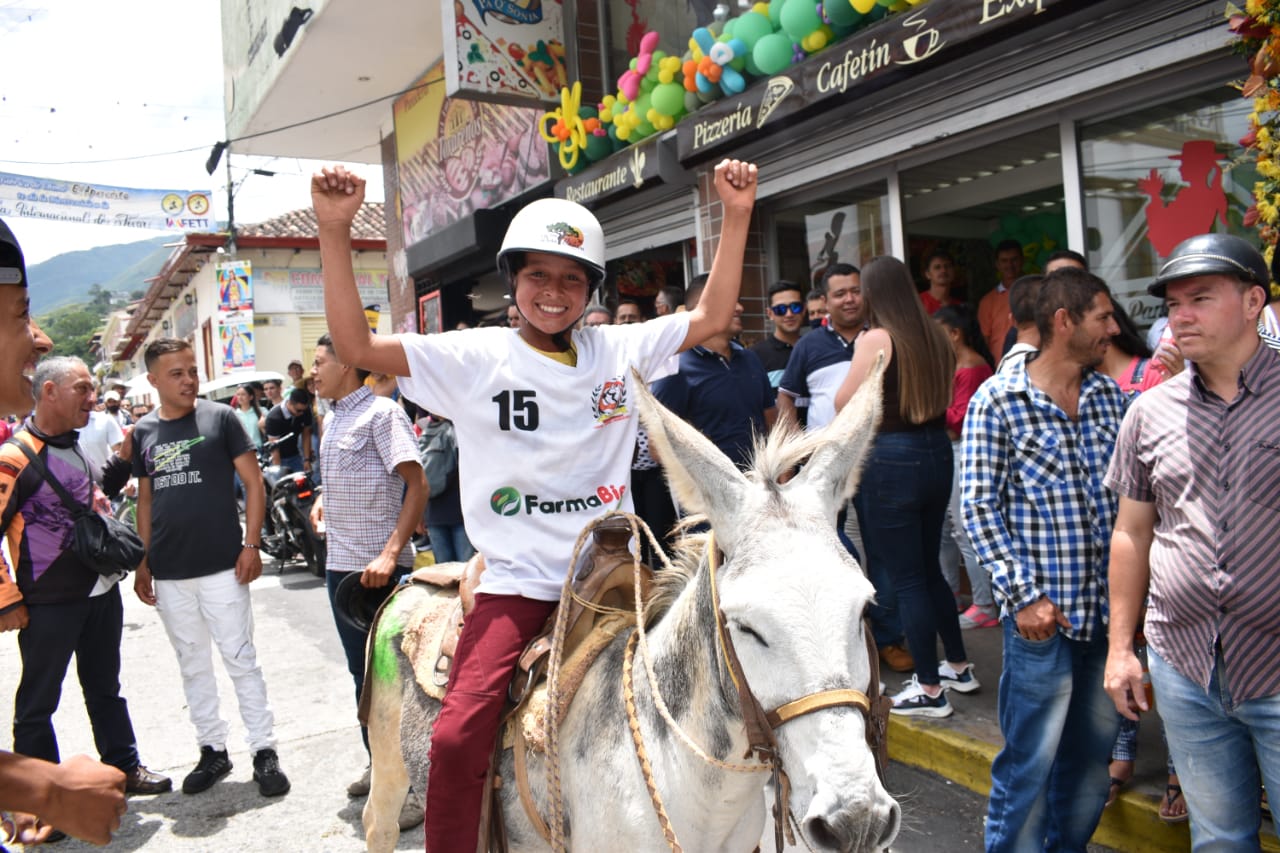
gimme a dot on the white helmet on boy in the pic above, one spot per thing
(557, 226)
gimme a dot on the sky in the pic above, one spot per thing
(126, 93)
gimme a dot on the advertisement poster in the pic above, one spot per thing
(235, 285)
(456, 156)
(99, 204)
(301, 291)
(235, 340)
(505, 51)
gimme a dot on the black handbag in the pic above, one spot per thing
(102, 543)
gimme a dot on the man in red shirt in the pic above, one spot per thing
(940, 272)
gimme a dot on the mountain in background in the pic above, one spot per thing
(65, 279)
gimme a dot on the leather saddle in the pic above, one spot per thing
(603, 583)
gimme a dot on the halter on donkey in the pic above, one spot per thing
(790, 606)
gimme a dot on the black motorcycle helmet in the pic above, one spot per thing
(1212, 254)
(356, 605)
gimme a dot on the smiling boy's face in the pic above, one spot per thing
(551, 292)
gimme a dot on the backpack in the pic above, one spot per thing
(438, 449)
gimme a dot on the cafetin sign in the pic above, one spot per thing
(633, 167)
(873, 57)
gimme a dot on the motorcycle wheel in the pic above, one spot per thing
(307, 542)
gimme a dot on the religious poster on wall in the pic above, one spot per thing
(456, 156)
(505, 51)
(235, 340)
(235, 285)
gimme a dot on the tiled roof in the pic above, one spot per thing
(368, 225)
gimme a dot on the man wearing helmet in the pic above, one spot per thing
(1196, 467)
(555, 396)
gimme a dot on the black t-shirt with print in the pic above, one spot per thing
(195, 529)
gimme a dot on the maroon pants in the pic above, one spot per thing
(494, 635)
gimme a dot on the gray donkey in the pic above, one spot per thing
(793, 601)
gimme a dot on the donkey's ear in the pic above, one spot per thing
(836, 465)
(701, 477)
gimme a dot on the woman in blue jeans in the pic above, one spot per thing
(906, 488)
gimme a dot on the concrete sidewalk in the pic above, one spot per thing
(962, 746)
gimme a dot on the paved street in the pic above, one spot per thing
(311, 694)
(319, 743)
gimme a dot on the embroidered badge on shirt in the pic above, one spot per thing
(609, 401)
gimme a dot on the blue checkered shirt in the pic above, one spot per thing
(1034, 501)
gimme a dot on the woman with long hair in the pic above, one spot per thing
(973, 367)
(906, 487)
(245, 403)
(1130, 362)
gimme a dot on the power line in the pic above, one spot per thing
(225, 143)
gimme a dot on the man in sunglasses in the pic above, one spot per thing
(787, 311)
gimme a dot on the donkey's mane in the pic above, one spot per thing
(775, 455)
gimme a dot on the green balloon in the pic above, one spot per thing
(772, 53)
(799, 18)
(753, 26)
(668, 99)
(775, 13)
(598, 147)
(840, 13)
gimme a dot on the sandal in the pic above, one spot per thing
(1172, 797)
(1116, 785)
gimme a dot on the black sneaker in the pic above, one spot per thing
(213, 765)
(267, 773)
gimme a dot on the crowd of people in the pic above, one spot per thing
(1038, 467)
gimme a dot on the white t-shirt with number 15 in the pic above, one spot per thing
(543, 448)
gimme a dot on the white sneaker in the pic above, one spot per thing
(961, 682)
(914, 702)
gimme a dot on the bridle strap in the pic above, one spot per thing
(817, 702)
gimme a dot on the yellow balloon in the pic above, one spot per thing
(863, 7)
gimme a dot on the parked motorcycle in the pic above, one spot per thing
(287, 531)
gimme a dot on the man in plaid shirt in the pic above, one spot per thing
(374, 493)
(1037, 442)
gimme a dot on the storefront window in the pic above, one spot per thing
(967, 201)
(845, 227)
(1158, 176)
(629, 21)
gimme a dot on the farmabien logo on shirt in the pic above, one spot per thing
(508, 501)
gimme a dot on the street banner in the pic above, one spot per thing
(100, 204)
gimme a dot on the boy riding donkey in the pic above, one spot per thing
(549, 395)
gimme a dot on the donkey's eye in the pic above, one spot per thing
(752, 633)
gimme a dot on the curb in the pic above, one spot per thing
(1132, 823)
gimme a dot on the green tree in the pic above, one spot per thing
(71, 328)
